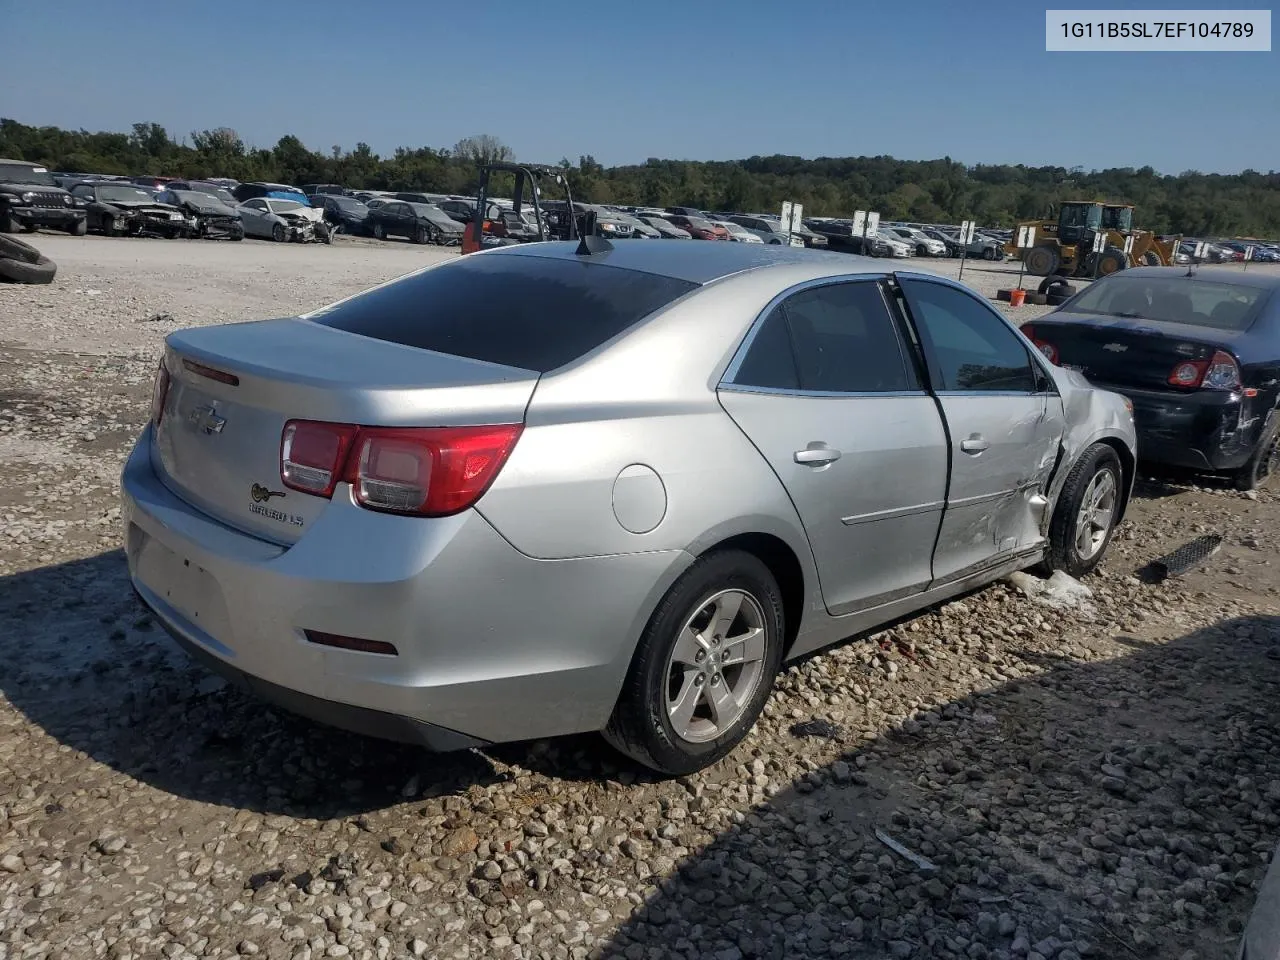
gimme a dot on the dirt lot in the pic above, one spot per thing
(1097, 782)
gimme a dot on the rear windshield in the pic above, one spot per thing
(528, 312)
(1200, 303)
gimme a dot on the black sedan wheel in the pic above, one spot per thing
(278, 233)
(379, 232)
(988, 253)
(421, 235)
(1265, 461)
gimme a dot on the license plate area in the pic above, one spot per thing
(189, 589)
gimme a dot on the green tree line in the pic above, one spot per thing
(940, 191)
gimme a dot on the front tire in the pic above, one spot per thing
(379, 232)
(277, 233)
(1042, 261)
(79, 228)
(1085, 516)
(988, 253)
(704, 666)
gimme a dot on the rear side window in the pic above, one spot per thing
(534, 313)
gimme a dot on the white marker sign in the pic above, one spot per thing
(786, 215)
(859, 225)
(873, 222)
(966, 231)
(1248, 253)
(1026, 237)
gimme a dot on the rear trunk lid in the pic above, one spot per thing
(233, 388)
(1124, 351)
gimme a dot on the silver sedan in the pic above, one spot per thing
(541, 490)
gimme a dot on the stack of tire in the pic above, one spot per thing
(22, 263)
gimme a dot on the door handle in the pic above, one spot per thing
(817, 455)
(975, 444)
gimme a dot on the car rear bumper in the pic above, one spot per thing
(1206, 430)
(492, 645)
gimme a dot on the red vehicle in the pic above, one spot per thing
(698, 228)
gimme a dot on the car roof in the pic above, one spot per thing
(1233, 275)
(704, 262)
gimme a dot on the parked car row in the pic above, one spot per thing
(1228, 251)
(32, 197)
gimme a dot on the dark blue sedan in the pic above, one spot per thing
(1198, 353)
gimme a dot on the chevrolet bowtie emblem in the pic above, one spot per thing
(206, 419)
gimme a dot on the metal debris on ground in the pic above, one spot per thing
(1187, 557)
(903, 852)
(817, 727)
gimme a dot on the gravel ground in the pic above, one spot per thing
(1099, 781)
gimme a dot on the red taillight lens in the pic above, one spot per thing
(429, 471)
(1048, 349)
(312, 455)
(423, 471)
(159, 393)
(1219, 372)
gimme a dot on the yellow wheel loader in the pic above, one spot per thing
(1065, 246)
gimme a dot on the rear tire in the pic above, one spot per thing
(1151, 259)
(1085, 516)
(1264, 462)
(727, 604)
(1042, 261)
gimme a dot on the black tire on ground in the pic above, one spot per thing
(1056, 299)
(421, 235)
(277, 233)
(324, 233)
(1042, 261)
(12, 248)
(1065, 529)
(7, 222)
(379, 232)
(640, 726)
(19, 271)
(1151, 259)
(237, 233)
(1048, 285)
(1110, 261)
(1264, 462)
(79, 228)
(988, 253)
(1037, 299)
(109, 226)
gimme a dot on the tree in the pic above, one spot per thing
(481, 149)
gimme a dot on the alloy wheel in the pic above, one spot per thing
(715, 666)
(1096, 515)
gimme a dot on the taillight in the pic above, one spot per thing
(159, 393)
(1048, 349)
(421, 471)
(312, 455)
(1219, 372)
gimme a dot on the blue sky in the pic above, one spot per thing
(696, 79)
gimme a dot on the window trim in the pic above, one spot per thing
(740, 355)
(1034, 356)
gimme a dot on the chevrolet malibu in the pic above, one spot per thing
(548, 489)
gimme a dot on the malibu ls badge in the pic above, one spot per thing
(206, 419)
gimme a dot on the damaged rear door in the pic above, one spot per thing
(1004, 421)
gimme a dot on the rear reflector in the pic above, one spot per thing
(420, 471)
(351, 643)
(200, 370)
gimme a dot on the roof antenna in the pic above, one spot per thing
(590, 243)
